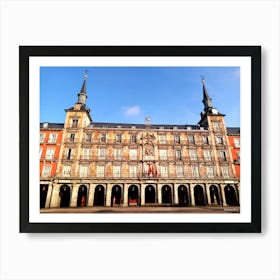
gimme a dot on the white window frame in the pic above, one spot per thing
(52, 138)
(46, 172)
(164, 171)
(193, 154)
(83, 171)
(116, 171)
(66, 171)
(86, 153)
(42, 137)
(195, 171)
(225, 171)
(100, 171)
(117, 153)
(179, 170)
(236, 142)
(133, 171)
(210, 171)
(162, 154)
(133, 154)
(162, 139)
(178, 154)
(50, 152)
(101, 153)
(207, 155)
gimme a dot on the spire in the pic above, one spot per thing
(82, 96)
(207, 101)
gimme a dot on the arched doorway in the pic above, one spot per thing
(150, 194)
(199, 196)
(43, 195)
(166, 196)
(133, 195)
(215, 195)
(116, 196)
(99, 196)
(183, 196)
(64, 194)
(82, 196)
(230, 195)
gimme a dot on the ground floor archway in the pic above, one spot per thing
(150, 194)
(215, 195)
(43, 195)
(230, 195)
(82, 196)
(99, 196)
(183, 196)
(166, 195)
(133, 199)
(199, 196)
(64, 194)
(116, 195)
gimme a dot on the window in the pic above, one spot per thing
(83, 171)
(193, 154)
(207, 155)
(86, 153)
(101, 153)
(117, 153)
(216, 126)
(178, 154)
(133, 154)
(222, 155)
(52, 138)
(162, 139)
(116, 171)
(164, 171)
(195, 171)
(66, 171)
(219, 140)
(238, 155)
(68, 154)
(133, 171)
(46, 172)
(163, 154)
(133, 138)
(118, 138)
(103, 137)
(191, 139)
(180, 170)
(72, 137)
(50, 153)
(236, 142)
(74, 123)
(88, 137)
(225, 171)
(41, 152)
(210, 171)
(205, 140)
(100, 171)
(42, 137)
(177, 138)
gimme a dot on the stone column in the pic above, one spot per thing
(108, 195)
(192, 194)
(55, 198)
(74, 195)
(223, 194)
(142, 191)
(207, 186)
(49, 194)
(91, 195)
(125, 194)
(176, 198)
(159, 197)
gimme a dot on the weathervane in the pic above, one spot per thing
(85, 75)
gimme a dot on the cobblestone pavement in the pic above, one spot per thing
(144, 209)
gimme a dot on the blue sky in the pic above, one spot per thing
(169, 95)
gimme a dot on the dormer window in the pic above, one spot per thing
(74, 123)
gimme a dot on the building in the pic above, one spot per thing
(120, 164)
(234, 142)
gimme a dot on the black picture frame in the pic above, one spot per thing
(253, 52)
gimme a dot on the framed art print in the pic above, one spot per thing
(140, 138)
